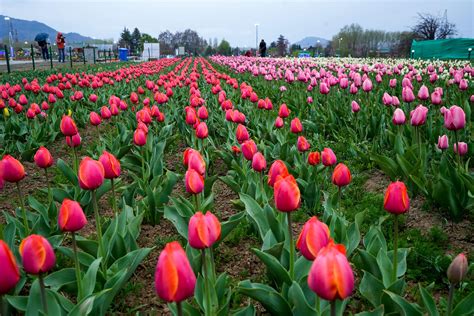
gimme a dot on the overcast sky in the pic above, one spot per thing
(235, 20)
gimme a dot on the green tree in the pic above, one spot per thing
(224, 48)
(125, 38)
(209, 51)
(282, 45)
(135, 45)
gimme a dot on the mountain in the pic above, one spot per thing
(25, 30)
(312, 41)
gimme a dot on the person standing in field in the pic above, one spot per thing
(61, 42)
(44, 49)
(263, 48)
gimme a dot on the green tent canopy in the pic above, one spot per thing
(453, 48)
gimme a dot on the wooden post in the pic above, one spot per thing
(70, 56)
(33, 56)
(7, 56)
(50, 56)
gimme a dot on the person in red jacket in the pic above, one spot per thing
(61, 43)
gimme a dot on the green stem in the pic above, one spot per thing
(114, 202)
(99, 227)
(78, 268)
(4, 304)
(43, 293)
(197, 202)
(76, 165)
(205, 276)
(395, 249)
(292, 248)
(23, 210)
(143, 163)
(264, 194)
(179, 307)
(50, 196)
(458, 156)
(333, 308)
(450, 298)
(318, 305)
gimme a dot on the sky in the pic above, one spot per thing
(235, 20)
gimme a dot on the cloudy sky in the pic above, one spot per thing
(235, 20)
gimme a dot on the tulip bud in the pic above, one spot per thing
(194, 182)
(12, 170)
(241, 133)
(328, 157)
(258, 162)
(296, 126)
(457, 270)
(283, 112)
(278, 168)
(249, 149)
(286, 194)
(91, 174)
(67, 126)
(355, 107)
(94, 119)
(443, 143)
(314, 158)
(202, 131)
(454, 118)
(37, 255)
(174, 277)
(111, 165)
(423, 93)
(418, 115)
(71, 217)
(74, 141)
(460, 148)
(302, 144)
(313, 237)
(398, 117)
(139, 137)
(396, 199)
(204, 230)
(341, 175)
(337, 281)
(43, 158)
(10, 271)
(279, 122)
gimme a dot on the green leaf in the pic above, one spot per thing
(371, 288)
(273, 302)
(274, 268)
(84, 307)
(465, 307)
(406, 308)
(60, 278)
(67, 171)
(89, 279)
(298, 300)
(428, 302)
(379, 311)
(246, 311)
(256, 213)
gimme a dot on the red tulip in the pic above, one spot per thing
(91, 174)
(134, 98)
(94, 119)
(93, 98)
(12, 170)
(194, 182)
(313, 237)
(74, 141)
(37, 255)
(303, 144)
(202, 131)
(331, 276)
(111, 165)
(174, 277)
(278, 168)
(314, 158)
(286, 194)
(71, 217)
(139, 137)
(105, 112)
(328, 157)
(204, 230)
(43, 158)
(283, 112)
(258, 162)
(296, 126)
(9, 267)
(396, 199)
(241, 133)
(67, 126)
(202, 113)
(341, 175)
(249, 149)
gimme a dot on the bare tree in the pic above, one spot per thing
(430, 27)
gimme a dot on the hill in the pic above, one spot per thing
(312, 41)
(25, 30)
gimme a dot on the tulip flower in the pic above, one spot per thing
(367, 85)
(111, 171)
(436, 98)
(296, 126)
(397, 202)
(387, 99)
(407, 95)
(283, 112)
(67, 126)
(454, 118)
(203, 230)
(331, 276)
(460, 148)
(202, 131)
(241, 133)
(105, 113)
(44, 160)
(192, 159)
(341, 175)
(314, 158)
(328, 157)
(248, 149)
(74, 141)
(174, 277)
(279, 122)
(194, 182)
(423, 93)
(457, 271)
(10, 271)
(139, 137)
(37, 255)
(278, 168)
(398, 117)
(313, 237)
(13, 171)
(418, 115)
(258, 162)
(355, 107)
(302, 144)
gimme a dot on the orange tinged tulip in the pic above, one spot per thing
(286, 194)
(68, 126)
(278, 168)
(341, 175)
(314, 158)
(313, 237)
(43, 158)
(9, 267)
(194, 182)
(328, 157)
(331, 276)
(174, 278)
(396, 199)
(204, 230)
(71, 217)
(37, 255)
(91, 174)
(111, 165)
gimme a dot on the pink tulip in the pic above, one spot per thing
(387, 99)
(460, 148)
(398, 117)
(355, 107)
(454, 118)
(418, 115)
(423, 93)
(367, 85)
(443, 142)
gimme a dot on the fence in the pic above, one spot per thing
(72, 56)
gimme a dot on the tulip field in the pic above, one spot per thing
(238, 186)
